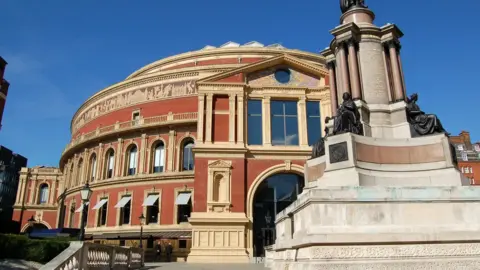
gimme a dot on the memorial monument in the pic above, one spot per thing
(382, 190)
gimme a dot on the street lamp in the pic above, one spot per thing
(85, 194)
(142, 222)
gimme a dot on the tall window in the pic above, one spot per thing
(93, 167)
(132, 160)
(135, 118)
(125, 205)
(159, 158)
(254, 122)
(188, 164)
(314, 122)
(101, 207)
(80, 172)
(43, 194)
(184, 206)
(110, 162)
(153, 210)
(284, 121)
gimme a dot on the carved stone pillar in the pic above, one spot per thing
(399, 59)
(209, 115)
(100, 163)
(119, 156)
(143, 148)
(231, 118)
(397, 77)
(333, 87)
(171, 150)
(302, 122)
(240, 113)
(267, 131)
(353, 69)
(342, 65)
(201, 117)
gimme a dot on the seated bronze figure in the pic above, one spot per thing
(422, 123)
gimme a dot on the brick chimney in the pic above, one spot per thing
(465, 135)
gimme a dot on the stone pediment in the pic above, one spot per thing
(298, 67)
(220, 164)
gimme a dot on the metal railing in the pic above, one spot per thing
(82, 255)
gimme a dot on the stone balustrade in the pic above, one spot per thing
(81, 255)
(167, 119)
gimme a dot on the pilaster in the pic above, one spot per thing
(344, 82)
(201, 117)
(302, 122)
(267, 131)
(333, 87)
(85, 165)
(143, 147)
(209, 115)
(231, 118)
(397, 77)
(53, 191)
(33, 188)
(353, 69)
(119, 156)
(171, 149)
(240, 115)
(100, 162)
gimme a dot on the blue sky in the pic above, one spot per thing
(61, 52)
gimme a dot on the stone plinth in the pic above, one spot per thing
(379, 228)
(220, 236)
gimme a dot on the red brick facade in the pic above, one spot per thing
(468, 156)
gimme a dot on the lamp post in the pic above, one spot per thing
(85, 194)
(142, 222)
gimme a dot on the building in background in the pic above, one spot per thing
(468, 155)
(10, 166)
(3, 88)
(187, 141)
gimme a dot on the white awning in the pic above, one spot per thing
(81, 207)
(100, 204)
(183, 198)
(123, 202)
(150, 200)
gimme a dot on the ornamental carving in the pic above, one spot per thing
(219, 186)
(151, 93)
(266, 77)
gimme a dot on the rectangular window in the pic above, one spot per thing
(314, 122)
(135, 118)
(182, 243)
(111, 159)
(152, 203)
(254, 122)
(159, 159)
(124, 204)
(184, 206)
(101, 207)
(284, 122)
(122, 243)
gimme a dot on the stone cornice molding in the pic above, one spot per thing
(222, 51)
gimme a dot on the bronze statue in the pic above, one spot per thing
(348, 117)
(422, 123)
(346, 5)
(318, 149)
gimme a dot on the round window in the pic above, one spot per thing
(282, 75)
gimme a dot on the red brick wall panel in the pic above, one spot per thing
(220, 127)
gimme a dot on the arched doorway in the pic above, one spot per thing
(272, 196)
(36, 227)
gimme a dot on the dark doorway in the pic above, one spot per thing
(35, 226)
(272, 196)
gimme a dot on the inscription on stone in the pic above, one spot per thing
(338, 152)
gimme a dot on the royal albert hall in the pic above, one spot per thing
(208, 145)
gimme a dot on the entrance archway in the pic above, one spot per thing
(272, 196)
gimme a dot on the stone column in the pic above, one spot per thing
(201, 117)
(143, 148)
(399, 59)
(119, 157)
(333, 87)
(33, 190)
(231, 118)
(52, 193)
(342, 65)
(209, 115)
(267, 131)
(302, 122)
(100, 163)
(85, 166)
(18, 199)
(171, 150)
(240, 114)
(24, 186)
(397, 77)
(353, 69)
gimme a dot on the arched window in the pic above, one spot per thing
(159, 157)
(43, 194)
(70, 176)
(188, 155)
(93, 167)
(109, 162)
(80, 172)
(132, 160)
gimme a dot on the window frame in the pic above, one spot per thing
(185, 142)
(109, 174)
(249, 101)
(131, 171)
(284, 116)
(177, 208)
(43, 186)
(153, 156)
